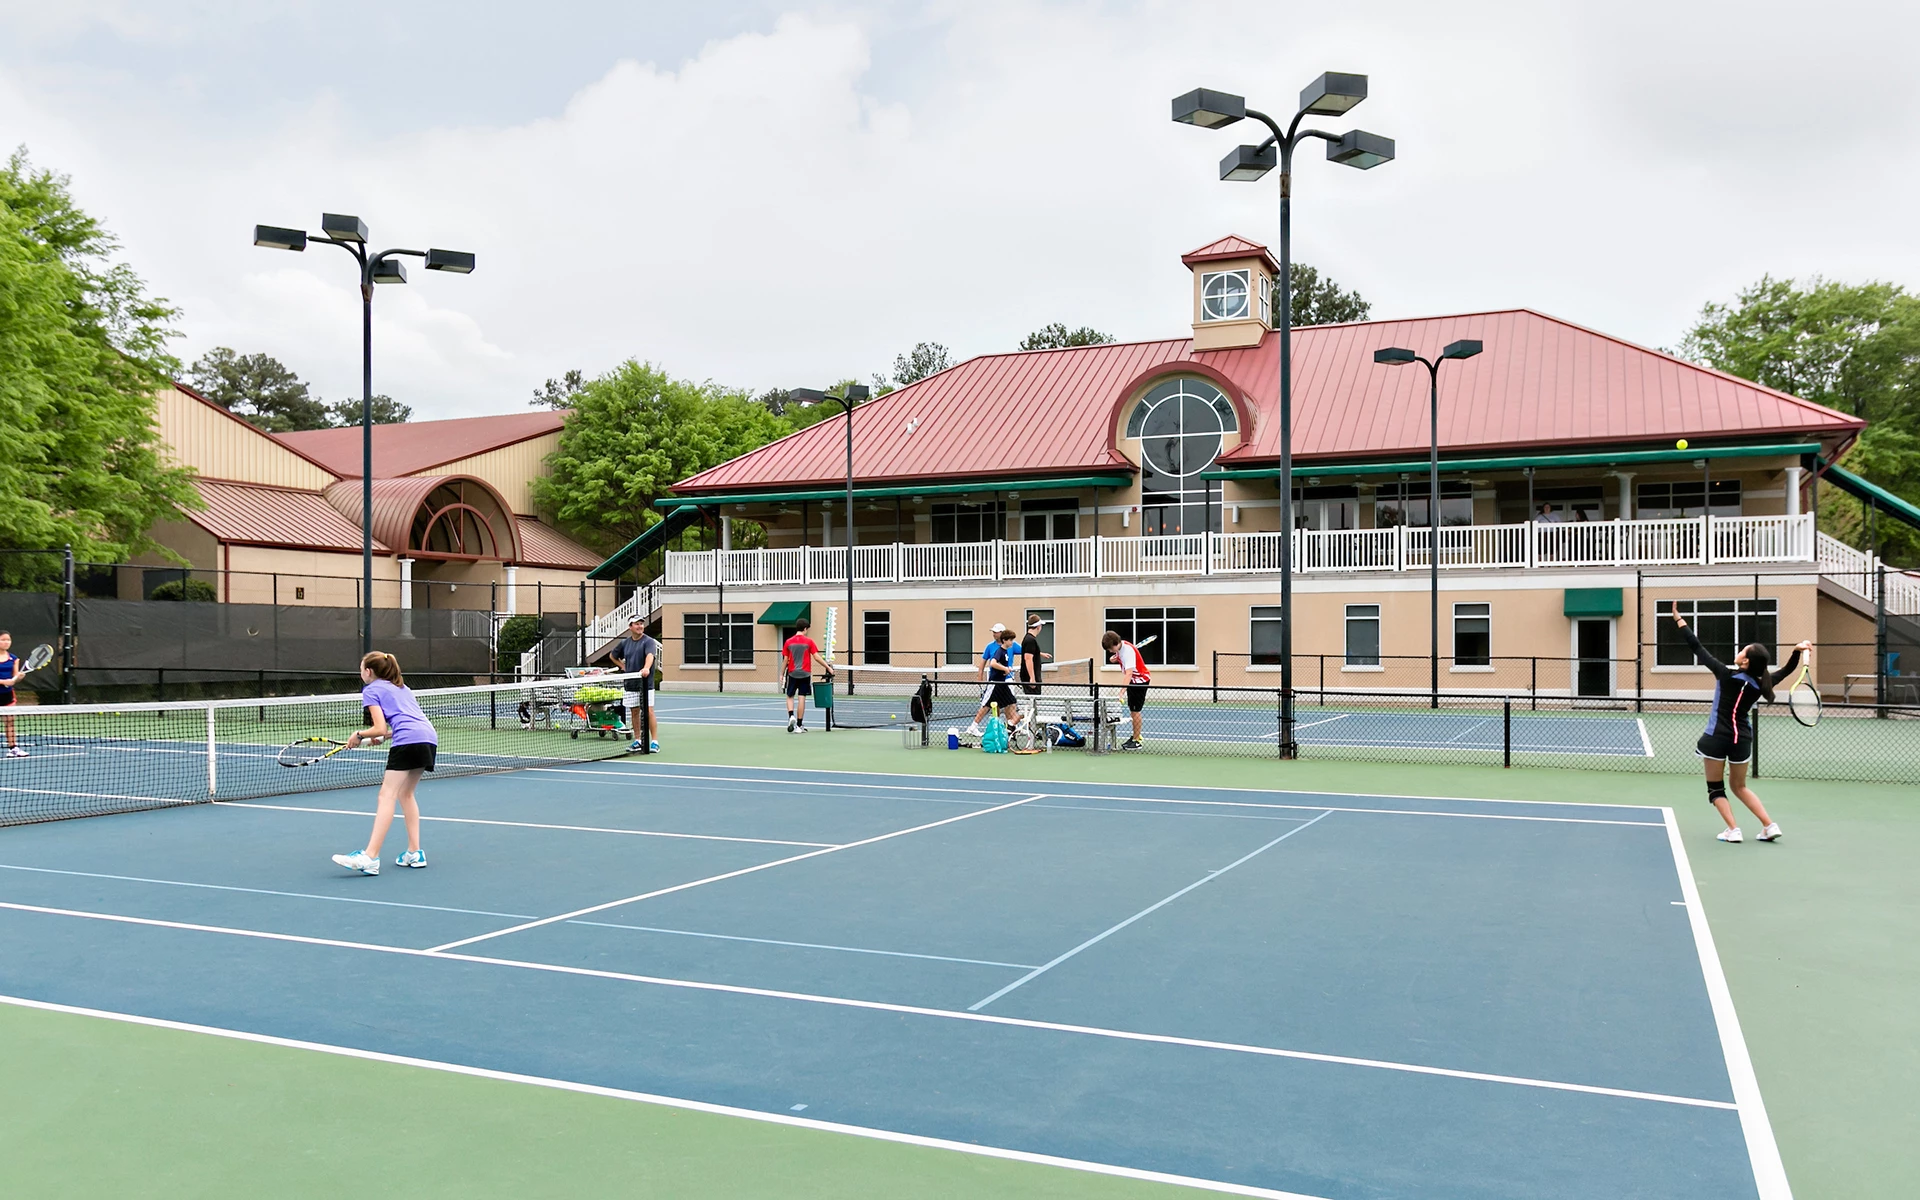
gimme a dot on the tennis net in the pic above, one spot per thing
(877, 697)
(88, 760)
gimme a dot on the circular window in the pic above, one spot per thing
(1224, 296)
(1180, 424)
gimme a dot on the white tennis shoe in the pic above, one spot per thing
(359, 861)
(1771, 833)
(1730, 835)
(16, 751)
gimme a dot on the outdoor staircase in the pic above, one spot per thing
(557, 651)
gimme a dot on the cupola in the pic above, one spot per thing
(1232, 293)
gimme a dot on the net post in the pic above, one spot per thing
(1506, 731)
(1533, 686)
(213, 758)
(1280, 723)
(66, 625)
(1216, 677)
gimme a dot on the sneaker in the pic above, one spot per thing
(1771, 833)
(799, 728)
(16, 751)
(1730, 835)
(1131, 744)
(359, 861)
(653, 747)
(633, 747)
(791, 723)
(973, 730)
(412, 858)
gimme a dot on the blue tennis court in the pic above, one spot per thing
(1273, 994)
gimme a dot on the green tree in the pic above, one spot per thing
(1320, 301)
(82, 359)
(1058, 337)
(923, 360)
(631, 435)
(259, 389)
(559, 393)
(386, 411)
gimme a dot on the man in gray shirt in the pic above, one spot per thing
(638, 652)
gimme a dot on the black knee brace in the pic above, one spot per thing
(1716, 789)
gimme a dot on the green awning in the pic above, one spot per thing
(634, 552)
(786, 612)
(1870, 493)
(1593, 602)
(922, 489)
(1514, 462)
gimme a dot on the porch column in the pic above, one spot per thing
(406, 597)
(513, 590)
(726, 533)
(1793, 490)
(1626, 494)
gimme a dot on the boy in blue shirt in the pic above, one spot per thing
(998, 661)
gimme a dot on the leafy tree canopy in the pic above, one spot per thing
(82, 358)
(264, 392)
(386, 411)
(1058, 337)
(559, 393)
(923, 360)
(1320, 301)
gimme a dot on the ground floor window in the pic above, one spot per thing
(1171, 631)
(1663, 500)
(1046, 628)
(876, 638)
(713, 638)
(959, 635)
(1266, 635)
(1722, 626)
(1363, 635)
(1472, 635)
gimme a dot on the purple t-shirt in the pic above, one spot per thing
(410, 726)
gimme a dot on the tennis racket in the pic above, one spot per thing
(308, 751)
(38, 657)
(1804, 700)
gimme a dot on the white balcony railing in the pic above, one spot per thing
(1667, 542)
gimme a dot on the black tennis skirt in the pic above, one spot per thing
(418, 756)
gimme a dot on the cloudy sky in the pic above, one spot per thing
(787, 193)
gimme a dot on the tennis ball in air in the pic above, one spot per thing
(1681, 444)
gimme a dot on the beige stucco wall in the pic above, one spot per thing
(510, 469)
(219, 446)
(1219, 335)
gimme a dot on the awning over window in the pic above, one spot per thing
(636, 551)
(786, 612)
(1515, 462)
(1593, 602)
(888, 492)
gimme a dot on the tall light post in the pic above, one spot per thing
(852, 395)
(1330, 95)
(350, 234)
(1395, 356)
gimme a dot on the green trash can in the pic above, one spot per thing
(823, 698)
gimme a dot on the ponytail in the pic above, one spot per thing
(1759, 664)
(384, 666)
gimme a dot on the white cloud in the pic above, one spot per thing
(806, 199)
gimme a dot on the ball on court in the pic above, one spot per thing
(1681, 444)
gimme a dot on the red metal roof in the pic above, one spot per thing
(247, 514)
(1541, 383)
(1231, 246)
(419, 445)
(544, 546)
(396, 502)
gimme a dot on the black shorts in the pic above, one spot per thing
(1000, 693)
(1136, 696)
(1721, 747)
(1031, 687)
(417, 756)
(800, 685)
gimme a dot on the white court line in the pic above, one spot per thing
(1769, 1173)
(788, 772)
(699, 1106)
(681, 887)
(728, 937)
(734, 989)
(1476, 727)
(223, 887)
(1646, 743)
(1102, 936)
(697, 837)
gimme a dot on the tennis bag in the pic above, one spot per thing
(921, 706)
(994, 740)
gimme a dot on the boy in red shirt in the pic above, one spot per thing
(796, 656)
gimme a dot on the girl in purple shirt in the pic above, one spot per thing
(393, 716)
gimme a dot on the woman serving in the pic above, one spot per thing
(394, 717)
(1728, 741)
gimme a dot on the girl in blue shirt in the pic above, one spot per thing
(393, 716)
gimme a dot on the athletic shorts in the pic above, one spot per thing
(415, 756)
(1720, 747)
(640, 696)
(800, 685)
(1136, 696)
(1031, 687)
(998, 693)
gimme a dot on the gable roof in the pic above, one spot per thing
(1231, 246)
(256, 515)
(417, 446)
(1541, 382)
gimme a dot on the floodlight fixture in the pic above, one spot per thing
(857, 392)
(389, 270)
(806, 395)
(1333, 93)
(343, 228)
(1464, 348)
(273, 237)
(1395, 356)
(457, 261)
(1209, 110)
(1248, 163)
(1360, 149)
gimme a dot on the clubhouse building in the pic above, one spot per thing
(1133, 487)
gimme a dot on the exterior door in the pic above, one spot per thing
(1593, 647)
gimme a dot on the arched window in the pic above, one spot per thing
(1181, 425)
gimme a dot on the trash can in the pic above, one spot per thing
(823, 698)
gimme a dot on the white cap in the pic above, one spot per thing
(997, 628)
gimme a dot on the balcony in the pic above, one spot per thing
(1676, 542)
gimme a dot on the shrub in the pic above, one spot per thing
(186, 589)
(518, 634)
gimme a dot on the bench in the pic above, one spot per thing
(1898, 686)
(1044, 713)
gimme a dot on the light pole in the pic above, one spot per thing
(1396, 357)
(853, 394)
(350, 234)
(1330, 95)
